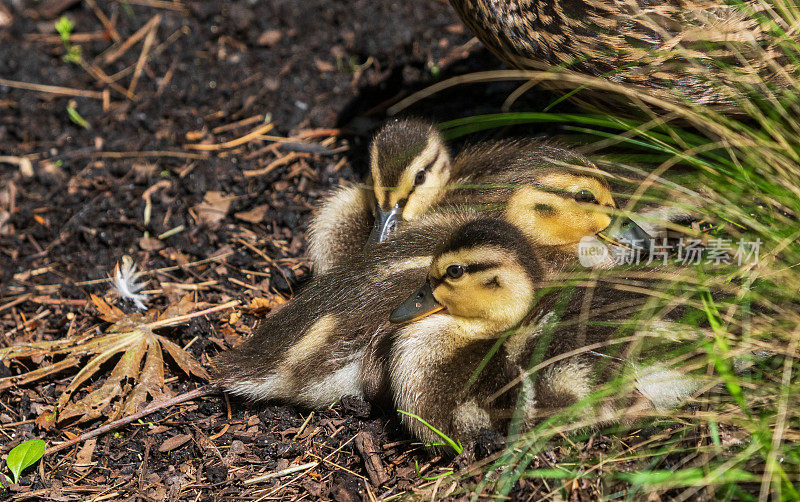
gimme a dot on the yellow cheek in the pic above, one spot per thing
(603, 221)
(571, 229)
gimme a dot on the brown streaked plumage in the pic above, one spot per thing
(698, 50)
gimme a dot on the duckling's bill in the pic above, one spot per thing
(420, 304)
(385, 223)
(627, 233)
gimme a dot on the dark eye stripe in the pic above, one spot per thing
(426, 168)
(469, 269)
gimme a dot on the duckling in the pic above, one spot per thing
(464, 340)
(481, 284)
(702, 50)
(409, 165)
(330, 340)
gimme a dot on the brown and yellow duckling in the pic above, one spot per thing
(481, 285)
(464, 340)
(330, 339)
(409, 166)
(695, 50)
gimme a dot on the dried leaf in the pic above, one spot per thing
(94, 405)
(214, 208)
(37, 374)
(107, 312)
(137, 374)
(46, 420)
(255, 215)
(84, 458)
(234, 317)
(187, 363)
(90, 369)
(97, 403)
(174, 442)
(151, 380)
(183, 307)
(150, 244)
(261, 303)
(269, 38)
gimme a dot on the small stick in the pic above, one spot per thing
(116, 424)
(47, 300)
(91, 36)
(51, 89)
(15, 302)
(148, 42)
(303, 427)
(96, 72)
(159, 4)
(109, 26)
(183, 318)
(236, 125)
(115, 52)
(25, 324)
(284, 472)
(254, 134)
(286, 159)
(312, 133)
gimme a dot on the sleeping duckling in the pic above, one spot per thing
(409, 166)
(481, 284)
(330, 339)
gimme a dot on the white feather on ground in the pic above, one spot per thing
(126, 285)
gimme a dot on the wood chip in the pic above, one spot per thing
(367, 445)
(255, 215)
(213, 209)
(174, 442)
(84, 458)
(269, 38)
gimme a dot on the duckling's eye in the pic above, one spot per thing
(455, 271)
(585, 196)
(419, 178)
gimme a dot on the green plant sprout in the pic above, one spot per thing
(351, 65)
(74, 116)
(64, 27)
(455, 445)
(24, 455)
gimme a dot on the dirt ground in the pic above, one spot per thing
(221, 222)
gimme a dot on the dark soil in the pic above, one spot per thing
(73, 201)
